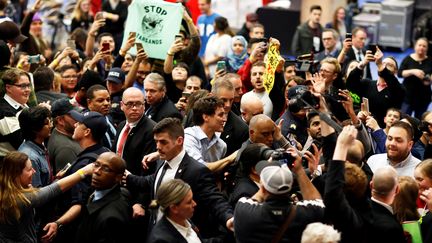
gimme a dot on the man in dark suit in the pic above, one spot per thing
(107, 214)
(385, 226)
(135, 135)
(157, 103)
(235, 130)
(134, 140)
(175, 163)
(356, 50)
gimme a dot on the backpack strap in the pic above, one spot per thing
(278, 236)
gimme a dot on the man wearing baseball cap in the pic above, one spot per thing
(89, 130)
(294, 118)
(10, 33)
(115, 85)
(261, 218)
(62, 149)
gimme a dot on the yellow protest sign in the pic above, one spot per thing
(272, 61)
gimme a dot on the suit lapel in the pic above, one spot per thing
(93, 207)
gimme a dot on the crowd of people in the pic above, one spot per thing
(101, 145)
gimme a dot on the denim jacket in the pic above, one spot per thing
(38, 157)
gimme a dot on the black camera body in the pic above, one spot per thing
(282, 156)
(424, 127)
(298, 102)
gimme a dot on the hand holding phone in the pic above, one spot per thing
(139, 46)
(34, 59)
(373, 48)
(178, 37)
(71, 44)
(105, 47)
(99, 15)
(365, 105)
(221, 65)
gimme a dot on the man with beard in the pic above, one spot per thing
(313, 130)
(257, 80)
(398, 144)
(62, 149)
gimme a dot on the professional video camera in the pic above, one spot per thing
(305, 63)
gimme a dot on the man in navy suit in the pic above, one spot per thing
(175, 163)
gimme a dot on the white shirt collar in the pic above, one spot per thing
(187, 232)
(13, 102)
(388, 207)
(175, 162)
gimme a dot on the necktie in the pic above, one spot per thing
(359, 56)
(123, 140)
(164, 169)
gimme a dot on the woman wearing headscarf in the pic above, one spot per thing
(237, 55)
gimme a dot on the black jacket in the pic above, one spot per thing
(138, 143)
(165, 108)
(385, 226)
(165, 232)
(105, 220)
(235, 132)
(205, 193)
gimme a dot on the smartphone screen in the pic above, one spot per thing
(34, 59)
(105, 47)
(365, 102)
(71, 44)
(372, 48)
(179, 37)
(99, 15)
(186, 94)
(139, 46)
(348, 35)
(221, 65)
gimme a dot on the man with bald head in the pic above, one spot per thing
(250, 106)
(262, 129)
(135, 134)
(107, 215)
(385, 227)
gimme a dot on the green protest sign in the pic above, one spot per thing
(156, 23)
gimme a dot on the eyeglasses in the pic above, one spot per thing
(103, 168)
(49, 122)
(22, 86)
(134, 104)
(70, 77)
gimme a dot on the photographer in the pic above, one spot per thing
(261, 218)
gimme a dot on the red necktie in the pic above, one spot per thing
(122, 140)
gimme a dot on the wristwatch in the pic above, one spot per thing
(59, 225)
(316, 173)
